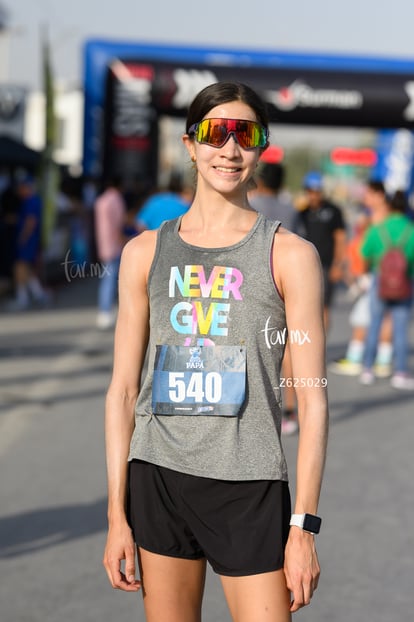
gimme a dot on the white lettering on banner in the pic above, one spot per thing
(132, 112)
(189, 82)
(399, 162)
(300, 94)
(409, 111)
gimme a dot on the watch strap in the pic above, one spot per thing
(307, 522)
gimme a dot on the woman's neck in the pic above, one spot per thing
(217, 224)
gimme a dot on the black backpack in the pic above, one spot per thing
(394, 282)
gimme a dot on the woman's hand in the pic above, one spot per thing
(120, 546)
(301, 567)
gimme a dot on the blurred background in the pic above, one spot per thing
(86, 94)
(91, 91)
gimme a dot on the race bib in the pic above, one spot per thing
(199, 380)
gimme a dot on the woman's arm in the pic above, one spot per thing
(337, 271)
(131, 339)
(298, 275)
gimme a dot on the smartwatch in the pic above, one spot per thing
(307, 522)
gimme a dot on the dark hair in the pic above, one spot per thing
(399, 202)
(224, 92)
(377, 186)
(112, 181)
(175, 183)
(271, 174)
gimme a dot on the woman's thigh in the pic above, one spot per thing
(172, 587)
(261, 597)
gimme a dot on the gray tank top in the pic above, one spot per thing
(201, 298)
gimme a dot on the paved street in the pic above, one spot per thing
(54, 370)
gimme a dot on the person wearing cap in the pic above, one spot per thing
(321, 222)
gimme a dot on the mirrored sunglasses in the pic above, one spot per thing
(216, 132)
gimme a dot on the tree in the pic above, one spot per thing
(49, 174)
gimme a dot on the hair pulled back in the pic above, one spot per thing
(222, 93)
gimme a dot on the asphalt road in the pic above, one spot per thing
(54, 370)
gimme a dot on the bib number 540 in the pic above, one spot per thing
(200, 387)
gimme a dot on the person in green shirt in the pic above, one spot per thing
(398, 228)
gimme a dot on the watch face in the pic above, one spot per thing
(312, 523)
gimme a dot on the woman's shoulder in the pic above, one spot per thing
(295, 260)
(140, 248)
(293, 245)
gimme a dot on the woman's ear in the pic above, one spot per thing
(189, 144)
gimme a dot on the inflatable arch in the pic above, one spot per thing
(128, 86)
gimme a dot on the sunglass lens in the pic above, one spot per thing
(212, 132)
(255, 135)
(249, 134)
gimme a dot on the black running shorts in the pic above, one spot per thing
(240, 527)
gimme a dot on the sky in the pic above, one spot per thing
(352, 27)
